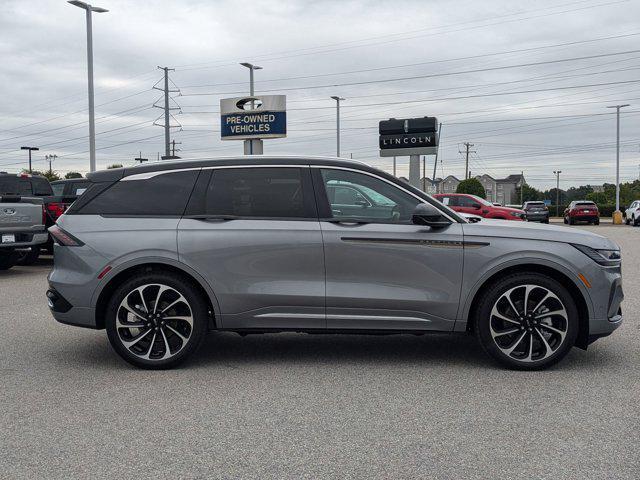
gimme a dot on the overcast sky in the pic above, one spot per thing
(528, 101)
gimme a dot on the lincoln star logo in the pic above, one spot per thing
(9, 211)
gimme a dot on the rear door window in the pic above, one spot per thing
(165, 194)
(259, 192)
(41, 186)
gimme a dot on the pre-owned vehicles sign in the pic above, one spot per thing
(244, 118)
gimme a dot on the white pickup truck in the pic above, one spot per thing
(21, 228)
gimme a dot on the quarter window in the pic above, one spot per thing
(269, 192)
(368, 198)
(163, 195)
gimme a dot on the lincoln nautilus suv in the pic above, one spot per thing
(160, 254)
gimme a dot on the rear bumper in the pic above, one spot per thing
(66, 313)
(537, 216)
(25, 239)
(584, 218)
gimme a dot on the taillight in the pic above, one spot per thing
(56, 209)
(64, 238)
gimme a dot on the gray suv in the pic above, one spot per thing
(160, 254)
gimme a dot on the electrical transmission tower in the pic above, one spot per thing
(167, 110)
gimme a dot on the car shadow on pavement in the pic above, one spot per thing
(433, 349)
(226, 349)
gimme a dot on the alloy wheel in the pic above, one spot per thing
(154, 322)
(528, 323)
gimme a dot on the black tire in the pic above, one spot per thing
(596, 222)
(545, 221)
(8, 260)
(30, 257)
(634, 221)
(495, 292)
(566, 221)
(198, 309)
(571, 221)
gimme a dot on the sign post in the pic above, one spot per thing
(252, 119)
(410, 137)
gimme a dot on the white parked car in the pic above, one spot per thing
(632, 214)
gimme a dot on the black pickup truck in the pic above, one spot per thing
(36, 186)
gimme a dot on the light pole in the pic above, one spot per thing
(618, 107)
(92, 127)
(252, 147)
(557, 174)
(30, 150)
(337, 99)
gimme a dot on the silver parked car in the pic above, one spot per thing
(159, 254)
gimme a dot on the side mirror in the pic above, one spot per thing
(362, 203)
(426, 214)
(477, 206)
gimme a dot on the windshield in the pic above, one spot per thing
(58, 188)
(482, 201)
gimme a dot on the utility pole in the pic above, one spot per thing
(337, 99)
(30, 150)
(466, 163)
(92, 126)
(50, 158)
(253, 146)
(618, 107)
(557, 174)
(394, 166)
(140, 159)
(521, 187)
(167, 111)
(173, 148)
(435, 162)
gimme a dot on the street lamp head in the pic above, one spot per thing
(250, 66)
(618, 106)
(29, 148)
(336, 98)
(86, 6)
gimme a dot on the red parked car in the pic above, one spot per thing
(582, 211)
(465, 203)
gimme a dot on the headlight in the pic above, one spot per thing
(516, 214)
(608, 258)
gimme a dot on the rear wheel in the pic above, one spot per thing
(596, 221)
(566, 220)
(527, 321)
(156, 320)
(634, 221)
(571, 221)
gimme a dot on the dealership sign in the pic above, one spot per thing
(411, 136)
(243, 118)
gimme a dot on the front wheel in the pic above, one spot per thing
(527, 321)
(8, 259)
(29, 257)
(156, 320)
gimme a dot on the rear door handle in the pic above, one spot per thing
(212, 218)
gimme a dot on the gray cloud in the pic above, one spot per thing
(44, 79)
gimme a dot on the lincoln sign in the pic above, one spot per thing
(411, 136)
(243, 118)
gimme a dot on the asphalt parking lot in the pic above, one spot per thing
(303, 406)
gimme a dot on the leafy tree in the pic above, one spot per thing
(115, 165)
(472, 186)
(529, 194)
(70, 175)
(51, 175)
